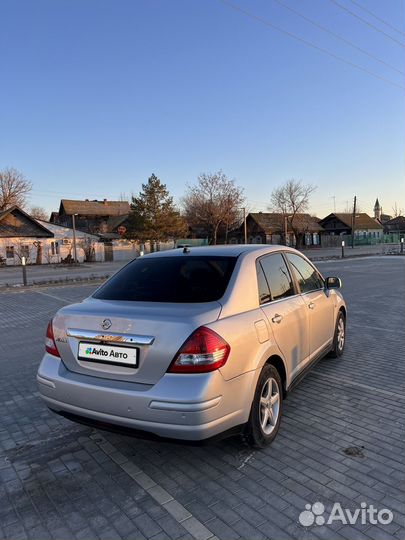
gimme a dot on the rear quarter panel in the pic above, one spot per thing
(251, 340)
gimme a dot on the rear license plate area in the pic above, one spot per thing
(116, 355)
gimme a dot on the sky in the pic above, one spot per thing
(96, 95)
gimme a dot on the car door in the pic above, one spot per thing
(317, 301)
(285, 310)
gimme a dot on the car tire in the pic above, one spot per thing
(262, 427)
(339, 338)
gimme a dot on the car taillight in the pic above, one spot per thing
(50, 345)
(203, 351)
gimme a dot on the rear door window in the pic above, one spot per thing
(264, 291)
(179, 279)
(307, 277)
(278, 276)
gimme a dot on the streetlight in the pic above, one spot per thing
(74, 237)
(402, 244)
(24, 271)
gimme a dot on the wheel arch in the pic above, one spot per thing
(276, 361)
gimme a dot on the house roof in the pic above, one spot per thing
(399, 220)
(109, 236)
(115, 221)
(94, 208)
(26, 226)
(273, 221)
(63, 231)
(54, 217)
(363, 220)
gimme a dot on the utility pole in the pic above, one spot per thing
(244, 225)
(354, 219)
(74, 237)
(285, 229)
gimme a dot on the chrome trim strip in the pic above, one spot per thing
(185, 407)
(128, 339)
(272, 302)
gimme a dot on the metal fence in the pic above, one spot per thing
(192, 242)
(360, 240)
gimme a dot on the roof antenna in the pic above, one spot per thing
(186, 249)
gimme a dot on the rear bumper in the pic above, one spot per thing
(181, 406)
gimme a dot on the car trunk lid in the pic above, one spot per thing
(156, 330)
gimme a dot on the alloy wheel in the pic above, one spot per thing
(269, 406)
(341, 333)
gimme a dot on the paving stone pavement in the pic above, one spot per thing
(62, 480)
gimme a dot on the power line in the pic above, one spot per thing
(309, 43)
(364, 21)
(377, 17)
(337, 36)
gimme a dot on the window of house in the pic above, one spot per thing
(9, 252)
(278, 276)
(57, 250)
(307, 277)
(53, 248)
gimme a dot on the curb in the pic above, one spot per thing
(55, 282)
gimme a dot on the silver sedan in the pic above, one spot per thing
(195, 342)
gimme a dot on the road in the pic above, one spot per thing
(341, 440)
(12, 275)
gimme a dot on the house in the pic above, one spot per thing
(96, 217)
(88, 246)
(269, 228)
(116, 228)
(42, 242)
(395, 225)
(22, 236)
(339, 224)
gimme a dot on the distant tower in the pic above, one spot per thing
(377, 210)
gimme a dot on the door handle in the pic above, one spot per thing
(311, 305)
(277, 318)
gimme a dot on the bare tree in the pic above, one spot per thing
(14, 188)
(213, 202)
(88, 246)
(22, 249)
(38, 212)
(290, 199)
(397, 211)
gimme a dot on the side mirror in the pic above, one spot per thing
(333, 283)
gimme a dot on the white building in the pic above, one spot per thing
(88, 246)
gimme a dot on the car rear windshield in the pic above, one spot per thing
(185, 279)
